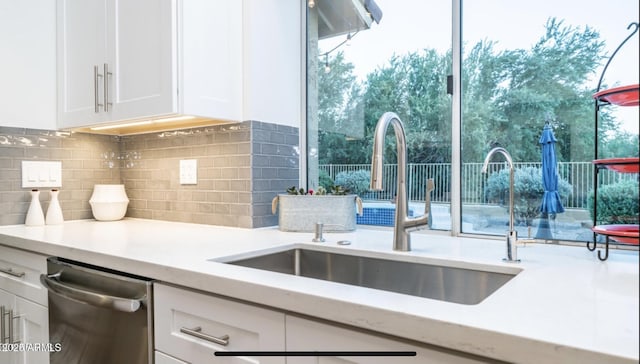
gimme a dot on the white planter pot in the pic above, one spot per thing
(302, 212)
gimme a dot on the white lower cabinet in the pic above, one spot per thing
(33, 329)
(192, 326)
(162, 358)
(308, 335)
(23, 311)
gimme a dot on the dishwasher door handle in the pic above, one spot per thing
(96, 299)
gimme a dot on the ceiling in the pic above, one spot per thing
(338, 17)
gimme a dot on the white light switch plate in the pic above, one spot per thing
(189, 172)
(41, 174)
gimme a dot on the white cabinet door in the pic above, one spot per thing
(81, 32)
(26, 323)
(33, 329)
(211, 58)
(192, 326)
(141, 58)
(7, 304)
(116, 60)
(27, 65)
(23, 300)
(307, 335)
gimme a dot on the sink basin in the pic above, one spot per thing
(440, 282)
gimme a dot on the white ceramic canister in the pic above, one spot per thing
(35, 216)
(109, 202)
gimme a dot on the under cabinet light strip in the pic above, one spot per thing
(145, 122)
(175, 118)
(125, 125)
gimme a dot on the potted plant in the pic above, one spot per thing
(300, 210)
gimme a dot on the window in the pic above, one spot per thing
(357, 71)
(524, 66)
(537, 64)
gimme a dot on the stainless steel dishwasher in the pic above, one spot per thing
(98, 316)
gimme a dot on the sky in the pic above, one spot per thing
(410, 25)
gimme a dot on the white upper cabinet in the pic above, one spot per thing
(28, 64)
(135, 59)
(141, 58)
(81, 53)
(211, 57)
(116, 60)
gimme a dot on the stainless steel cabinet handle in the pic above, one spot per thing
(197, 332)
(7, 338)
(2, 314)
(10, 272)
(10, 327)
(107, 74)
(123, 304)
(96, 89)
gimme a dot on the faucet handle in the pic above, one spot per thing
(427, 199)
(318, 233)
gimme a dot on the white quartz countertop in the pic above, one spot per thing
(564, 306)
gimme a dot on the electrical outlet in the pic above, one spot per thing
(189, 172)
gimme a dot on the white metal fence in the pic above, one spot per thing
(578, 174)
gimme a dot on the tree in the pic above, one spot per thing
(413, 86)
(341, 131)
(525, 88)
(507, 97)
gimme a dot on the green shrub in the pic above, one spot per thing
(324, 180)
(617, 203)
(528, 191)
(355, 181)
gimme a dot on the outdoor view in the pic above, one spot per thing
(526, 68)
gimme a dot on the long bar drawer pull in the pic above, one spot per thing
(10, 272)
(197, 332)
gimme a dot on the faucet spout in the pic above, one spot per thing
(512, 234)
(403, 224)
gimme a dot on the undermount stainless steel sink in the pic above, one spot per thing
(440, 282)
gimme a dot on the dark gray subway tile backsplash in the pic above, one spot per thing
(241, 167)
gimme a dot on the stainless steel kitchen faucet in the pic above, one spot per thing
(512, 234)
(403, 224)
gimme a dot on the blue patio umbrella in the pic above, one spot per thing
(551, 203)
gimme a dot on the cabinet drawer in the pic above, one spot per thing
(192, 326)
(162, 358)
(20, 274)
(308, 335)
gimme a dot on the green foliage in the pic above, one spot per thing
(617, 203)
(325, 180)
(355, 181)
(341, 136)
(339, 190)
(293, 190)
(507, 97)
(528, 191)
(622, 144)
